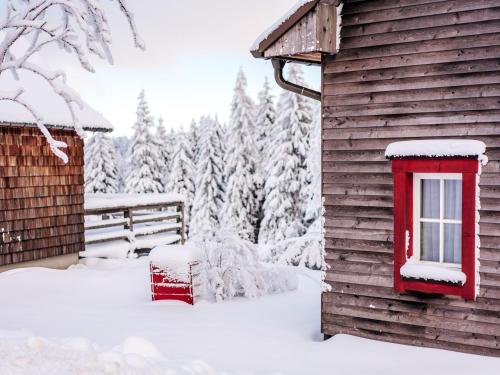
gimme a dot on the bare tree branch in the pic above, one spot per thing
(81, 28)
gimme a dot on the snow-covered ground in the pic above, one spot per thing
(98, 319)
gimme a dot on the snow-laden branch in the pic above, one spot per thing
(80, 27)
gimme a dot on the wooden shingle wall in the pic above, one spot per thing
(407, 69)
(41, 198)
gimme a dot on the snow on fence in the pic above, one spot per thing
(121, 225)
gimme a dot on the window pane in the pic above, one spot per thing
(453, 199)
(430, 199)
(453, 243)
(429, 242)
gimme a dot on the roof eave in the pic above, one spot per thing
(283, 28)
(55, 127)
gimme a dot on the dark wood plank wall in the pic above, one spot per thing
(407, 69)
(41, 198)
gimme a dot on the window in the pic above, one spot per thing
(437, 218)
(434, 225)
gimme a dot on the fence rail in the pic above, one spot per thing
(113, 229)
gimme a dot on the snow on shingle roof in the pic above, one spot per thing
(41, 97)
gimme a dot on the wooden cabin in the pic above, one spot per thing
(41, 197)
(405, 70)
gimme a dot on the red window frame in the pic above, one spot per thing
(403, 170)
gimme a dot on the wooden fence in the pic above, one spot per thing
(135, 227)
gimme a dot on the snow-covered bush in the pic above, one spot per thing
(79, 27)
(233, 269)
(305, 251)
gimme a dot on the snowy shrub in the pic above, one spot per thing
(233, 269)
(305, 251)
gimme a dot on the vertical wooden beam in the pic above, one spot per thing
(326, 28)
(128, 214)
(469, 234)
(181, 210)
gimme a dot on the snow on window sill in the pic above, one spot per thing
(430, 272)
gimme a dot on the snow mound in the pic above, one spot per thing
(25, 355)
(436, 148)
(42, 98)
(233, 269)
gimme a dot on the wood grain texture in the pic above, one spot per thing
(41, 198)
(407, 69)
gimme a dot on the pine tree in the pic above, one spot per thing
(209, 183)
(312, 191)
(241, 201)
(265, 117)
(101, 173)
(182, 173)
(122, 147)
(145, 175)
(287, 169)
(165, 148)
(194, 139)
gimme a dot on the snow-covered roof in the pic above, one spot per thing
(436, 148)
(278, 28)
(42, 98)
(107, 201)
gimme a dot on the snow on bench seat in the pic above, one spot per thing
(112, 250)
(159, 228)
(106, 236)
(154, 240)
(144, 218)
(96, 224)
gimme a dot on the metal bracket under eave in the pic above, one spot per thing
(278, 66)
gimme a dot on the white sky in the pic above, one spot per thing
(194, 50)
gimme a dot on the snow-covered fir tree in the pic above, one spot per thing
(209, 183)
(265, 117)
(122, 147)
(194, 140)
(312, 191)
(166, 150)
(145, 172)
(287, 169)
(101, 173)
(242, 179)
(181, 178)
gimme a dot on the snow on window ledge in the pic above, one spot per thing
(429, 272)
(438, 148)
